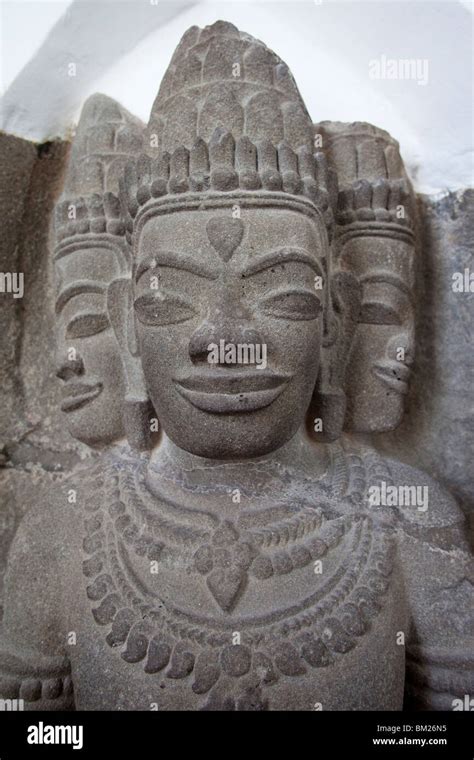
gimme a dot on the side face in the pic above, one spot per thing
(229, 325)
(383, 351)
(88, 359)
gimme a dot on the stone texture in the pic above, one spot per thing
(440, 409)
(240, 560)
(34, 442)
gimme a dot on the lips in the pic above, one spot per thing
(224, 391)
(78, 395)
(394, 374)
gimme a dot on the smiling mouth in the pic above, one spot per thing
(223, 391)
(78, 395)
(394, 374)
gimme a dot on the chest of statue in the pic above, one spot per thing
(371, 677)
(294, 609)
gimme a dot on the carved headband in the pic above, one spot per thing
(237, 168)
(96, 214)
(379, 201)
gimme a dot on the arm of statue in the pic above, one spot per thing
(34, 665)
(439, 584)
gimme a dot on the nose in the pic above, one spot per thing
(209, 332)
(229, 322)
(401, 347)
(69, 368)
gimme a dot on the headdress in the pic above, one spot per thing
(107, 135)
(229, 122)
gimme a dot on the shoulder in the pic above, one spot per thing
(41, 530)
(31, 609)
(50, 528)
(412, 498)
(421, 500)
(42, 557)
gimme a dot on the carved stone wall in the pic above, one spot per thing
(131, 211)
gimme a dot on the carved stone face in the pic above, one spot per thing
(209, 290)
(88, 359)
(382, 355)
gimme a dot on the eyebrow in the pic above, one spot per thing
(76, 289)
(177, 261)
(389, 278)
(281, 256)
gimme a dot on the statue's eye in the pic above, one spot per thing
(86, 324)
(376, 313)
(163, 309)
(293, 304)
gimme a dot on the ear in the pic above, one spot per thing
(119, 297)
(346, 299)
(121, 316)
(137, 406)
(132, 332)
(329, 400)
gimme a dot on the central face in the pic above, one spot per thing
(229, 322)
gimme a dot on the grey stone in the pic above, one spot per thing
(251, 533)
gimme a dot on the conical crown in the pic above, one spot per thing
(107, 136)
(228, 118)
(221, 77)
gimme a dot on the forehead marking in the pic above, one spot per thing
(225, 235)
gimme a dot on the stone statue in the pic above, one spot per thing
(259, 555)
